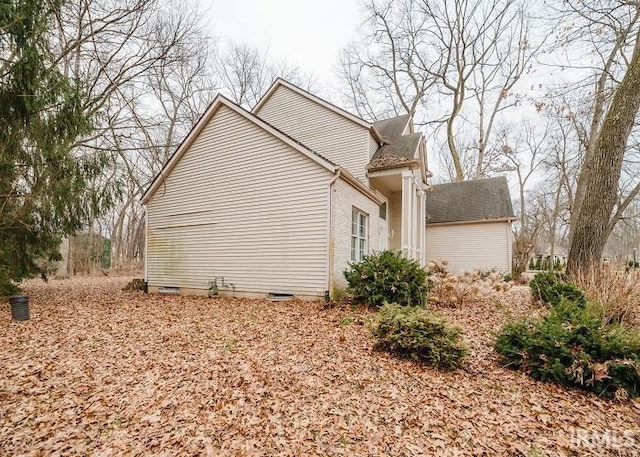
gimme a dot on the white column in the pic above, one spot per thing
(415, 211)
(407, 213)
(422, 227)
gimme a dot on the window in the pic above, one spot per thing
(359, 234)
(383, 211)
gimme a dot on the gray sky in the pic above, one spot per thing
(307, 34)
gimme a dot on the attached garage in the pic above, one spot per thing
(469, 224)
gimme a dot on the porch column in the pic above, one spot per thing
(422, 227)
(407, 214)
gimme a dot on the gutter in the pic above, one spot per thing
(359, 186)
(476, 221)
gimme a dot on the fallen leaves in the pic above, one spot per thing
(103, 372)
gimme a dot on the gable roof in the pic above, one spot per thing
(392, 127)
(466, 201)
(399, 151)
(336, 109)
(544, 249)
(219, 101)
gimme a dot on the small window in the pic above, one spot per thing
(359, 234)
(383, 211)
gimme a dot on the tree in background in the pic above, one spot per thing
(245, 73)
(454, 64)
(598, 203)
(45, 190)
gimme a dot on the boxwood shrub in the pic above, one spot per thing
(571, 346)
(418, 334)
(387, 277)
(550, 288)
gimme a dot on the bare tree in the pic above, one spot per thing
(141, 66)
(610, 28)
(524, 154)
(601, 172)
(465, 54)
(245, 73)
(606, 29)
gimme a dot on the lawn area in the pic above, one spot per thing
(98, 371)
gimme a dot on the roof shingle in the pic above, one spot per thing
(477, 200)
(400, 151)
(393, 127)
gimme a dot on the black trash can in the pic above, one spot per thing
(19, 307)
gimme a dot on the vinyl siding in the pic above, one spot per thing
(344, 199)
(484, 245)
(330, 134)
(242, 205)
(373, 146)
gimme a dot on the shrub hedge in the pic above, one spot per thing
(418, 334)
(551, 288)
(571, 346)
(387, 277)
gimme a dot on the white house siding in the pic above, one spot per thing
(373, 146)
(328, 133)
(483, 245)
(242, 205)
(344, 199)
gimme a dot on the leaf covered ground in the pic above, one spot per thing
(98, 371)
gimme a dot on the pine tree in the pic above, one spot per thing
(45, 189)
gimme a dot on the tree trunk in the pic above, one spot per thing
(601, 171)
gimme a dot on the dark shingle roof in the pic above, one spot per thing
(393, 127)
(480, 199)
(401, 150)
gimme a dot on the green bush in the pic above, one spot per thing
(568, 291)
(418, 334)
(387, 277)
(571, 346)
(542, 282)
(550, 288)
(8, 288)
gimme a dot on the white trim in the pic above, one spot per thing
(510, 247)
(405, 226)
(146, 244)
(281, 82)
(330, 240)
(422, 230)
(197, 129)
(388, 172)
(477, 221)
(359, 254)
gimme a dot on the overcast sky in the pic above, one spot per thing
(308, 34)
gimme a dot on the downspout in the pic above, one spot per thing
(330, 246)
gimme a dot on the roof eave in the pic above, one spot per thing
(358, 185)
(408, 164)
(376, 134)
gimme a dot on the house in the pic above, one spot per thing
(279, 200)
(542, 256)
(469, 224)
